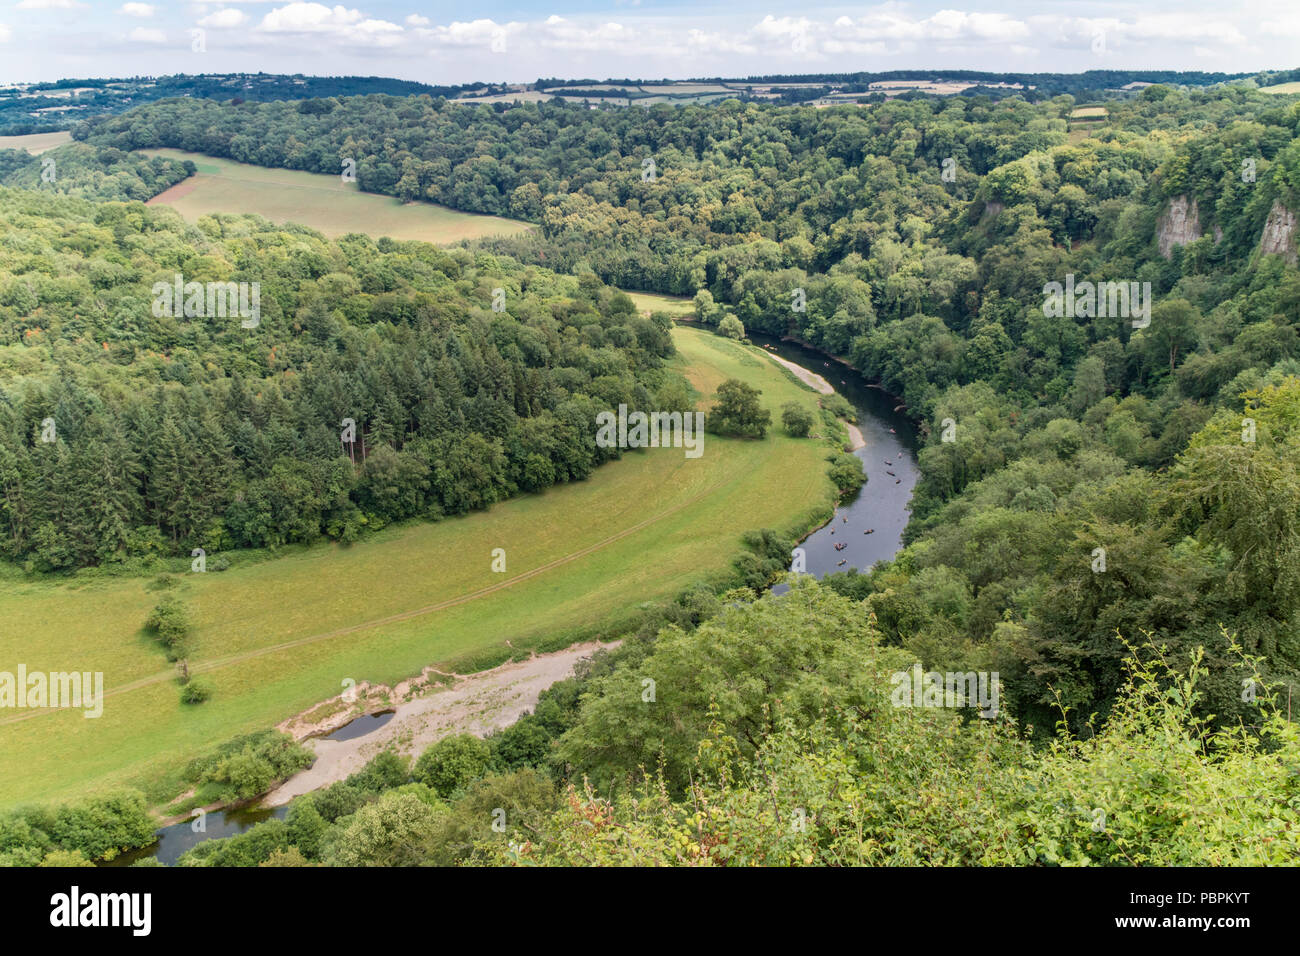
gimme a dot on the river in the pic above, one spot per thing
(176, 839)
(881, 508)
(871, 525)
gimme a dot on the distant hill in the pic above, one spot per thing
(43, 107)
(39, 107)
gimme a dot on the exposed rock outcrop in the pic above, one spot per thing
(1178, 225)
(1278, 238)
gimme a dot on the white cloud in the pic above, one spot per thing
(701, 42)
(309, 17)
(338, 22)
(561, 34)
(5, 33)
(782, 28)
(147, 35)
(890, 24)
(1288, 25)
(473, 33)
(836, 37)
(994, 27)
(1183, 28)
(224, 19)
(1180, 30)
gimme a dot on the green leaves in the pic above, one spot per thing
(736, 411)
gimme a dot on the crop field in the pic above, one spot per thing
(323, 202)
(36, 143)
(276, 637)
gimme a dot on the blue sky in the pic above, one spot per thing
(445, 42)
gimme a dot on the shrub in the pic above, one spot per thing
(847, 474)
(798, 421)
(453, 762)
(247, 766)
(737, 411)
(839, 406)
(96, 828)
(731, 327)
(169, 621)
(196, 691)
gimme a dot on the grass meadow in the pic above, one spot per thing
(277, 636)
(324, 203)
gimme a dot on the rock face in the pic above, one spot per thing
(1178, 225)
(1279, 233)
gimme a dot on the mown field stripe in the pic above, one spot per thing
(220, 662)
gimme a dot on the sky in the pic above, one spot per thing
(519, 41)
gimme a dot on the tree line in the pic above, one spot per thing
(380, 385)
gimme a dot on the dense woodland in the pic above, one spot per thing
(21, 106)
(89, 173)
(201, 433)
(1071, 434)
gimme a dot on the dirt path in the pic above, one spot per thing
(856, 440)
(477, 704)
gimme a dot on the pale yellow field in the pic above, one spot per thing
(36, 143)
(323, 202)
(647, 302)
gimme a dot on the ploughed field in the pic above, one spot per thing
(325, 203)
(275, 637)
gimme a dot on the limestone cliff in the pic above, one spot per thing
(1178, 225)
(1279, 233)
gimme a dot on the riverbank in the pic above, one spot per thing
(476, 704)
(415, 712)
(811, 379)
(900, 404)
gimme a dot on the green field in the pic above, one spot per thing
(36, 143)
(647, 302)
(278, 636)
(323, 202)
